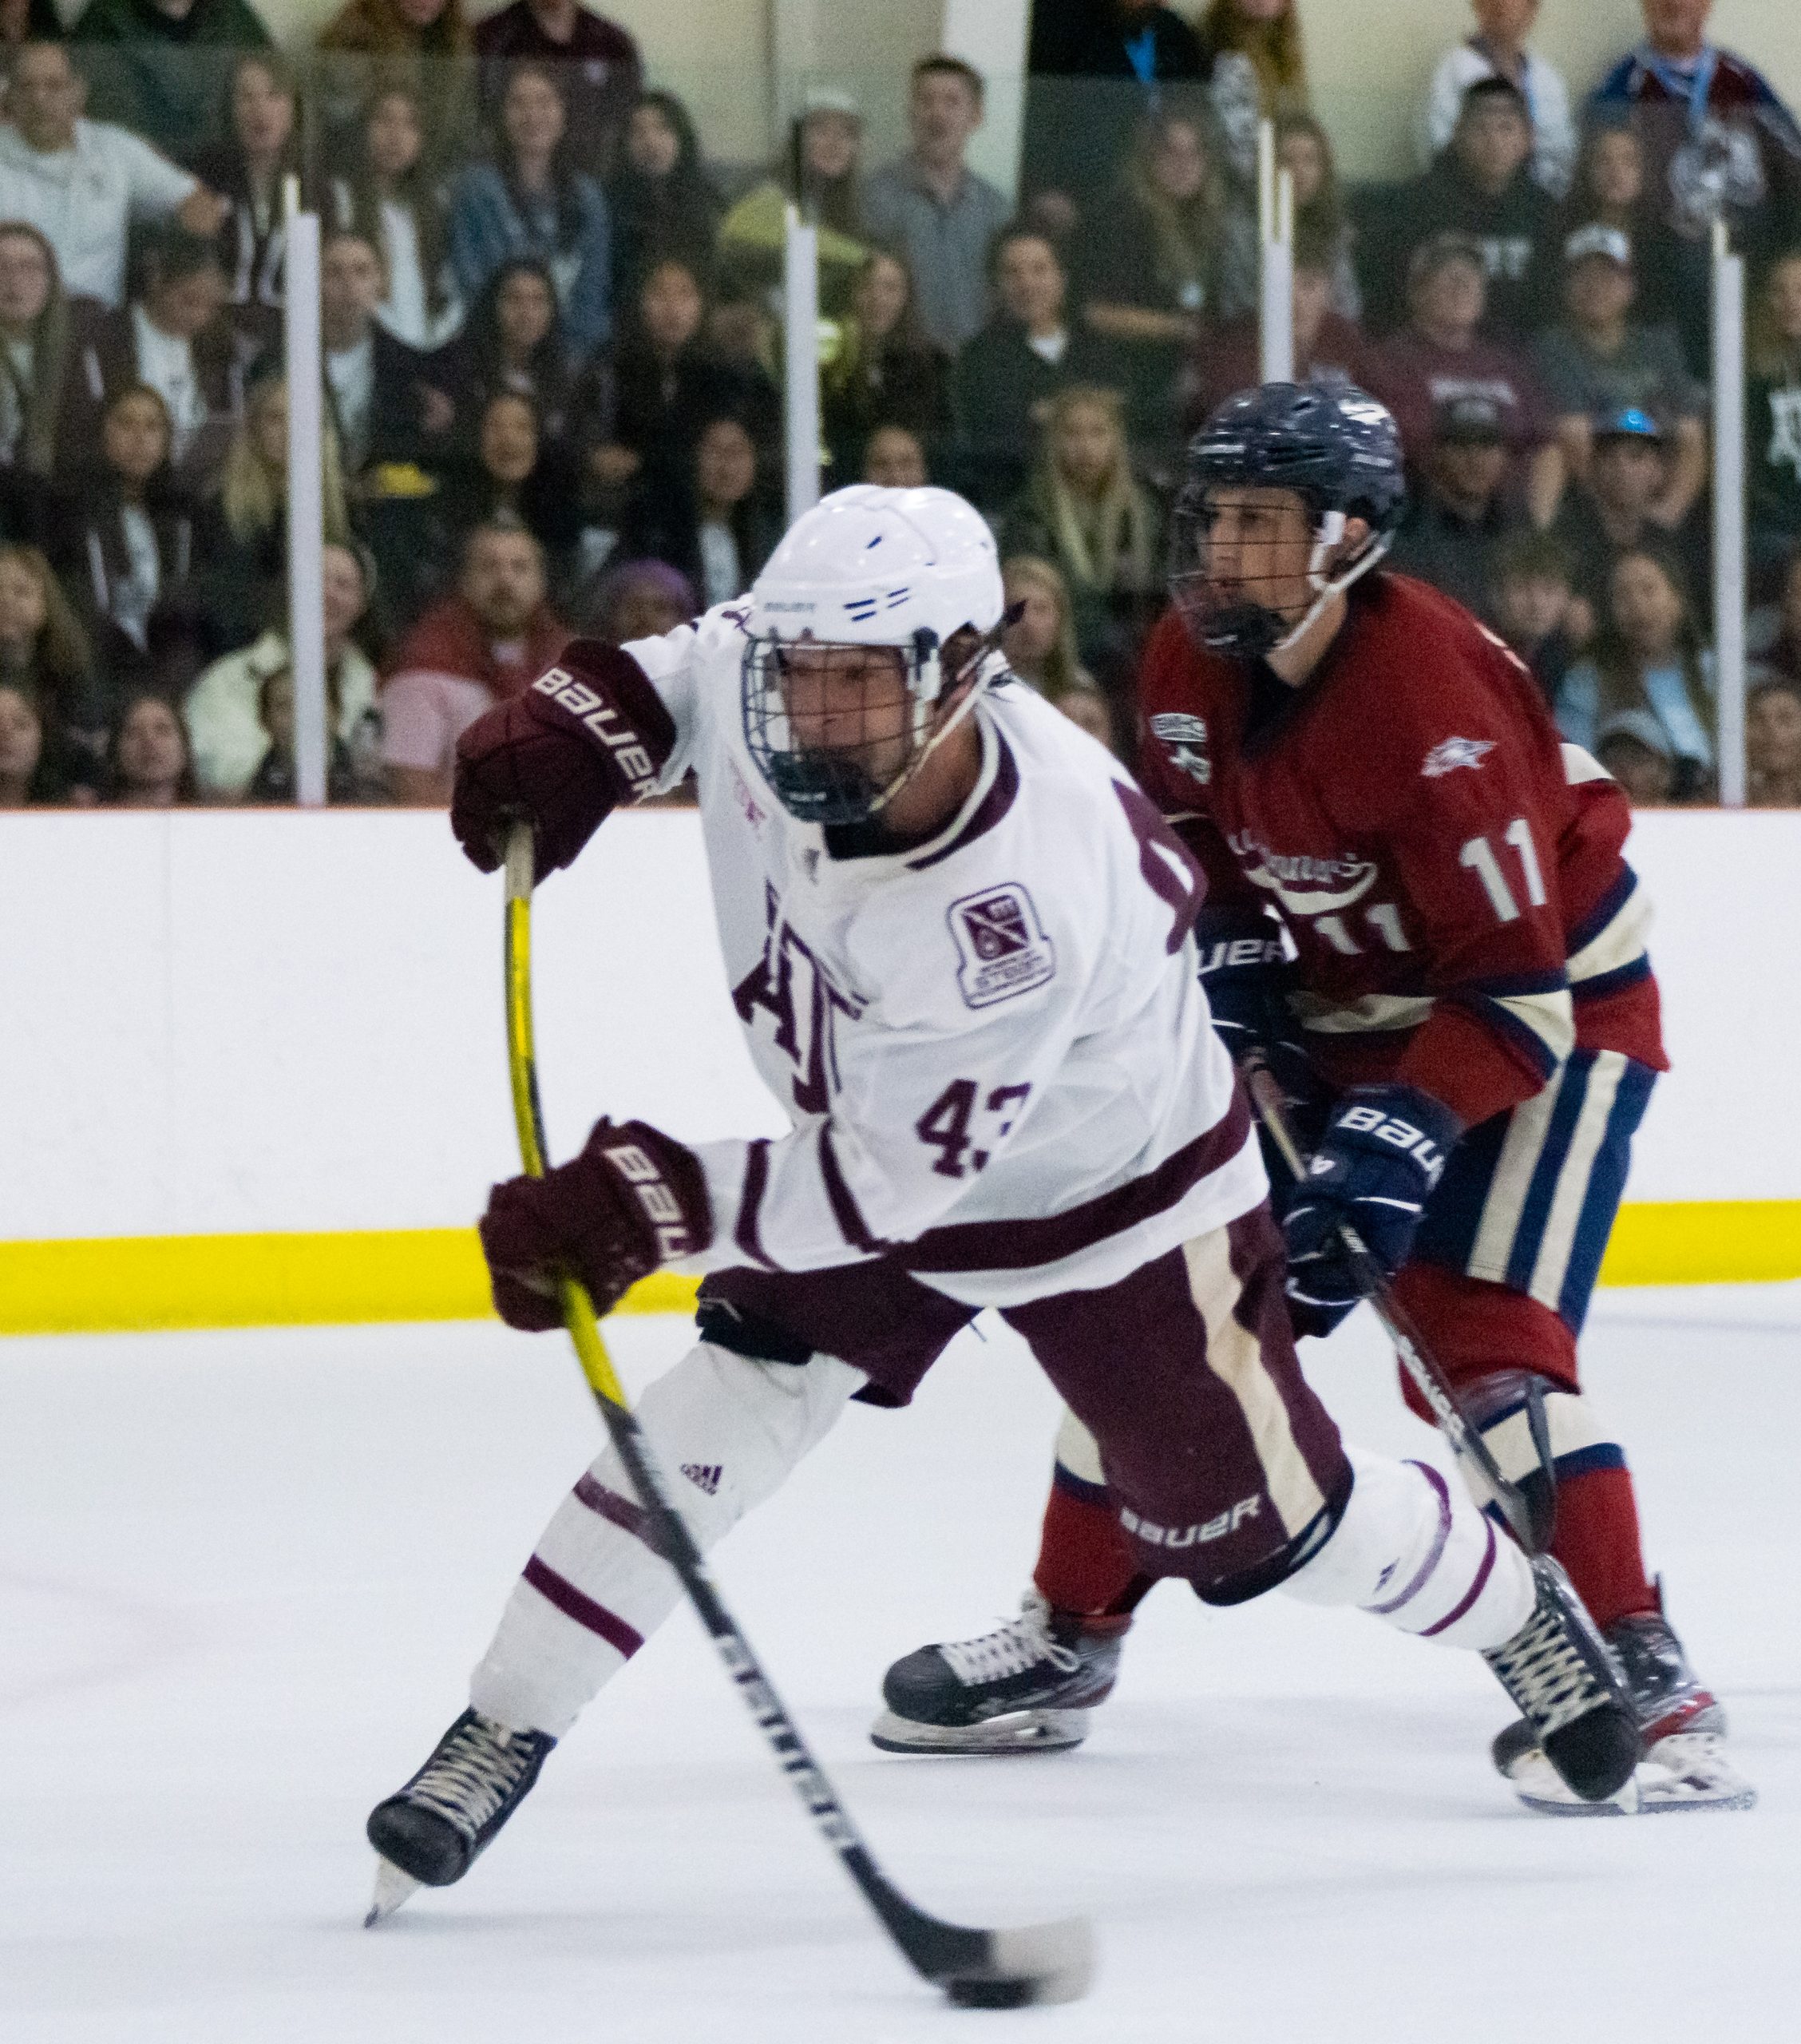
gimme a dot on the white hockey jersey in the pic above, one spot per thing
(994, 1047)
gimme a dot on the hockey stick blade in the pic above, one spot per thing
(1040, 1963)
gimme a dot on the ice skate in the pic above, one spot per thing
(429, 1833)
(1558, 1668)
(1680, 1720)
(1029, 1686)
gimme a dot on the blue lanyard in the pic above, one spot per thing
(1695, 90)
(1140, 53)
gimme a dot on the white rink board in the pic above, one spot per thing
(236, 1021)
(243, 1577)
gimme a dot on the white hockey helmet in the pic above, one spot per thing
(868, 567)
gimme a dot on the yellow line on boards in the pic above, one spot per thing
(116, 1285)
(144, 1283)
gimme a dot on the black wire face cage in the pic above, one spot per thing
(838, 731)
(1232, 622)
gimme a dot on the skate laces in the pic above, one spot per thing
(475, 1769)
(1022, 1643)
(1544, 1669)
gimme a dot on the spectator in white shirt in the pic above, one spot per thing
(1497, 49)
(83, 183)
(221, 711)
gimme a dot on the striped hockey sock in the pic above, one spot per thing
(595, 1588)
(1597, 1536)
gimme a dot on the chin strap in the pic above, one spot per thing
(987, 664)
(1330, 533)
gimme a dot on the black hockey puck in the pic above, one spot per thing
(979, 1994)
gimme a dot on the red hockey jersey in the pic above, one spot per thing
(1449, 871)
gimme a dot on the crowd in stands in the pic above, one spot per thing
(552, 346)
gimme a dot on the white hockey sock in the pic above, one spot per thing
(1413, 1551)
(594, 1589)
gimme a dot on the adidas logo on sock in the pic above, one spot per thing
(703, 1476)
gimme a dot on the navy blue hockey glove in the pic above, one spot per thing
(1384, 1149)
(1246, 977)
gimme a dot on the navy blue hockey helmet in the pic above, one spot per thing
(1337, 449)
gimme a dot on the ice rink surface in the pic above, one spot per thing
(243, 1577)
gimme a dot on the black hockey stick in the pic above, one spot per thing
(1529, 1526)
(979, 1969)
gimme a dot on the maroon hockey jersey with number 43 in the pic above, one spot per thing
(1448, 870)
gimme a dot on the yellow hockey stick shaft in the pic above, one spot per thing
(579, 1315)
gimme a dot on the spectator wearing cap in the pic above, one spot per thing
(84, 184)
(1773, 421)
(596, 61)
(1636, 750)
(1441, 355)
(490, 640)
(1611, 510)
(1096, 68)
(820, 172)
(1328, 349)
(930, 204)
(1008, 374)
(630, 600)
(1536, 611)
(1719, 142)
(1675, 277)
(1648, 656)
(1600, 362)
(1483, 189)
(1499, 50)
(161, 68)
(1455, 527)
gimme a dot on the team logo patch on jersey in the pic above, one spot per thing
(1185, 740)
(1446, 757)
(1001, 945)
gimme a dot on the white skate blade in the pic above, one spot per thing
(392, 1888)
(1687, 1771)
(1015, 1732)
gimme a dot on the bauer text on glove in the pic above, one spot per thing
(633, 1200)
(1384, 1150)
(584, 738)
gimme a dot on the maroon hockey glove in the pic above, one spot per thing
(587, 735)
(633, 1199)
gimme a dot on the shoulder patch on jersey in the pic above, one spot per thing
(1002, 948)
(1184, 738)
(1446, 757)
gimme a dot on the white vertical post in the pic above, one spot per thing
(306, 505)
(801, 354)
(1729, 511)
(1276, 243)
